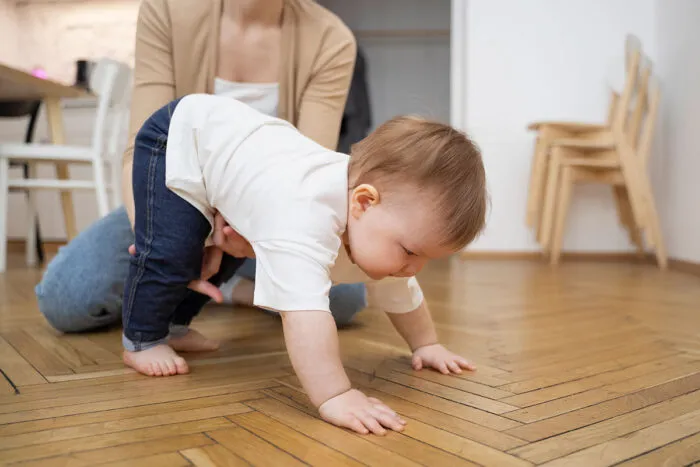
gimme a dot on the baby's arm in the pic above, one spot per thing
(312, 343)
(418, 330)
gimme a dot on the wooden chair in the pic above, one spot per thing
(552, 130)
(109, 81)
(623, 165)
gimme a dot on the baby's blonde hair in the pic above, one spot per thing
(433, 157)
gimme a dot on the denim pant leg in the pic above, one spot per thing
(83, 285)
(170, 235)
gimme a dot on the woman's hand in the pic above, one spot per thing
(229, 240)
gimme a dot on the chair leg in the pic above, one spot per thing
(536, 175)
(115, 173)
(4, 195)
(30, 240)
(654, 227)
(544, 234)
(624, 212)
(563, 202)
(100, 188)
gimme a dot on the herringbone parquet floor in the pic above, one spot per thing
(589, 364)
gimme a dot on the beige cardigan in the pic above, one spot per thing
(177, 49)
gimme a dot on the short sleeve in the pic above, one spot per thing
(291, 276)
(395, 295)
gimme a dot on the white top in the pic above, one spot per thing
(263, 97)
(284, 193)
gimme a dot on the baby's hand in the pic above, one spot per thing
(354, 410)
(438, 357)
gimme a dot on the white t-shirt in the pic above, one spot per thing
(284, 193)
(263, 97)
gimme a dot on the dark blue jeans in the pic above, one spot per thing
(169, 237)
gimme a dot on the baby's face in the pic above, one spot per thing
(394, 235)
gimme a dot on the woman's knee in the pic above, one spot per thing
(346, 300)
(82, 287)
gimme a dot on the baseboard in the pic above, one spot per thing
(602, 256)
(50, 246)
(688, 267)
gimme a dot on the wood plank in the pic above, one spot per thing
(682, 453)
(455, 395)
(544, 376)
(600, 379)
(299, 445)
(171, 459)
(398, 443)
(495, 422)
(116, 414)
(576, 440)
(457, 426)
(33, 409)
(57, 448)
(45, 362)
(333, 437)
(606, 410)
(213, 456)
(19, 370)
(252, 448)
(461, 382)
(124, 452)
(635, 444)
(119, 425)
(605, 393)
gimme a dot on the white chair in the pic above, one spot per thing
(110, 81)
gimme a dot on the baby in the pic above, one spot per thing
(413, 190)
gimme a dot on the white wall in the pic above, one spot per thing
(537, 60)
(53, 35)
(679, 44)
(404, 74)
(8, 32)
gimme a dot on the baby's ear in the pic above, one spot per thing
(362, 198)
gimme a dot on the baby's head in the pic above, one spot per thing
(417, 192)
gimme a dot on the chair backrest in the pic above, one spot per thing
(621, 113)
(640, 103)
(653, 97)
(619, 81)
(110, 81)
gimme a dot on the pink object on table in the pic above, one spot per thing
(40, 73)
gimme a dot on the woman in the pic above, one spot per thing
(290, 58)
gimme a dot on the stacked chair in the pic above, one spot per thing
(615, 153)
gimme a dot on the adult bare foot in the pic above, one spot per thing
(160, 360)
(193, 341)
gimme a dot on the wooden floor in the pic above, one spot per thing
(589, 364)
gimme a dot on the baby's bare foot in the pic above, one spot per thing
(193, 341)
(160, 360)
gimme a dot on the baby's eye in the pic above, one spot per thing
(409, 252)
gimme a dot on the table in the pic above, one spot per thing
(16, 85)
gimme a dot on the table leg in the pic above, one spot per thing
(57, 132)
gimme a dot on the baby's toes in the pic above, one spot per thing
(156, 369)
(169, 367)
(181, 365)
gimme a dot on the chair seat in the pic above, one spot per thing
(602, 144)
(52, 184)
(583, 162)
(47, 152)
(575, 127)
